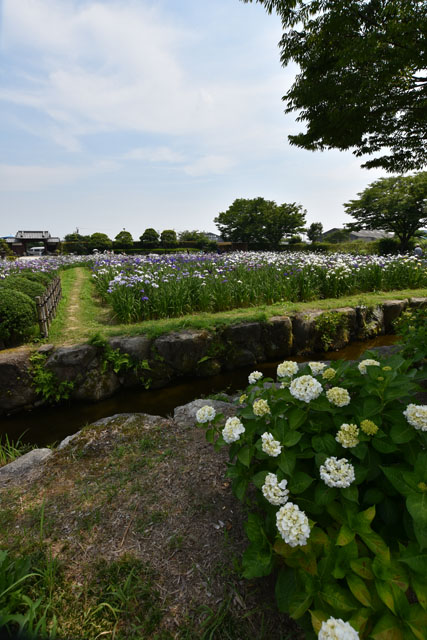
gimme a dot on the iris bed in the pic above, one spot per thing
(152, 287)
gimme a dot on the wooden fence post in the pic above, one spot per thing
(47, 305)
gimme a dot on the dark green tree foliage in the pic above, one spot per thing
(314, 231)
(76, 243)
(362, 83)
(100, 241)
(168, 238)
(259, 220)
(397, 204)
(17, 316)
(192, 236)
(150, 237)
(123, 240)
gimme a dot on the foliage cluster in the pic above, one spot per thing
(348, 543)
(18, 291)
(46, 382)
(17, 316)
(119, 361)
(396, 204)
(411, 326)
(20, 613)
(330, 324)
(361, 83)
(260, 220)
(10, 450)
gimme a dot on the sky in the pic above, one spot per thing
(151, 113)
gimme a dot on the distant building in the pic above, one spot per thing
(20, 243)
(212, 237)
(367, 235)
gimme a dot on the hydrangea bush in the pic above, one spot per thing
(332, 463)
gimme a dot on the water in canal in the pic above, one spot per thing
(48, 425)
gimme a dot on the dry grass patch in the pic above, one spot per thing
(146, 536)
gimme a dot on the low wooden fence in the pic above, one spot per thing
(47, 305)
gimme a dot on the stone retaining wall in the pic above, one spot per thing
(154, 363)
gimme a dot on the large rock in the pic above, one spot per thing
(71, 363)
(370, 322)
(185, 415)
(181, 350)
(96, 385)
(277, 337)
(392, 309)
(16, 388)
(244, 345)
(137, 347)
(24, 464)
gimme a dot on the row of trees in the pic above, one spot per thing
(396, 204)
(168, 238)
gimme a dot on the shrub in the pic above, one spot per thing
(411, 327)
(24, 285)
(17, 316)
(337, 464)
(42, 277)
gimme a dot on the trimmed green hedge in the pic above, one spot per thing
(17, 316)
(24, 285)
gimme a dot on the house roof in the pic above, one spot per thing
(32, 235)
(370, 233)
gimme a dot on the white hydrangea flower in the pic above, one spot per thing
(317, 367)
(337, 473)
(338, 396)
(254, 377)
(416, 415)
(232, 430)
(328, 373)
(260, 407)
(292, 524)
(347, 435)
(305, 388)
(205, 414)
(275, 492)
(337, 629)
(270, 446)
(367, 363)
(287, 368)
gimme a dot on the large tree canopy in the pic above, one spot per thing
(259, 220)
(362, 83)
(397, 204)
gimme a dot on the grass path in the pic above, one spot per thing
(79, 312)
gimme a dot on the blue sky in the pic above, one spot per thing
(151, 113)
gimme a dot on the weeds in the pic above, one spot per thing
(10, 450)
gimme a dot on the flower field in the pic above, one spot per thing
(151, 287)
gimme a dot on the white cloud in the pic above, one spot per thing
(155, 154)
(208, 165)
(36, 178)
(120, 66)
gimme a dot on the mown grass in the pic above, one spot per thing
(95, 318)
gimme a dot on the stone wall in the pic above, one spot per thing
(154, 363)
